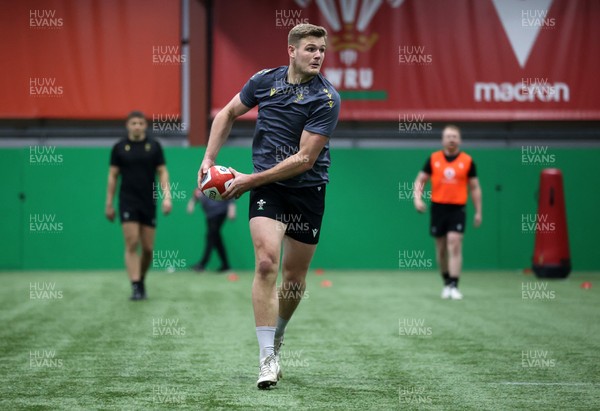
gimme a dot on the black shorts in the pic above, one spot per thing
(447, 217)
(300, 208)
(142, 215)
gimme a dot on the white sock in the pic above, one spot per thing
(266, 337)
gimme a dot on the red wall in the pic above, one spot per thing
(89, 59)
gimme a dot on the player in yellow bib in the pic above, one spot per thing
(452, 174)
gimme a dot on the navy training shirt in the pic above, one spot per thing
(284, 111)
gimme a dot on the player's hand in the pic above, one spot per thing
(190, 207)
(420, 205)
(231, 213)
(109, 212)
(240, 184)
(206, 164)
(167, 206)
(477, 220)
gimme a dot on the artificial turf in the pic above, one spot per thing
(372, 340)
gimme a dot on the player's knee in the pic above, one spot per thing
(147, 249)
(441, 255)
(131, 245)
(266, 265)
(455, 246)
(294, 277)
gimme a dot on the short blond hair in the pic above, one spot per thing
(452, 127)
(301, 31)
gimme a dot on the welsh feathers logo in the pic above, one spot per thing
(349, 22)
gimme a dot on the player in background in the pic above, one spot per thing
(216, 212)
(297, 112)
(137, 159)
(452, 173)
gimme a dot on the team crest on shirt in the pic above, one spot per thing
(461, 165)
(127, 147)
(273, 91)
(436, 164)
(261, 204)
(147, 147)
(449, 173)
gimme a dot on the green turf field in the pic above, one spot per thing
(373, 340)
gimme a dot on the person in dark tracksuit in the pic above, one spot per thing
(216, 213)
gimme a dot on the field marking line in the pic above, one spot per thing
(544, 383)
